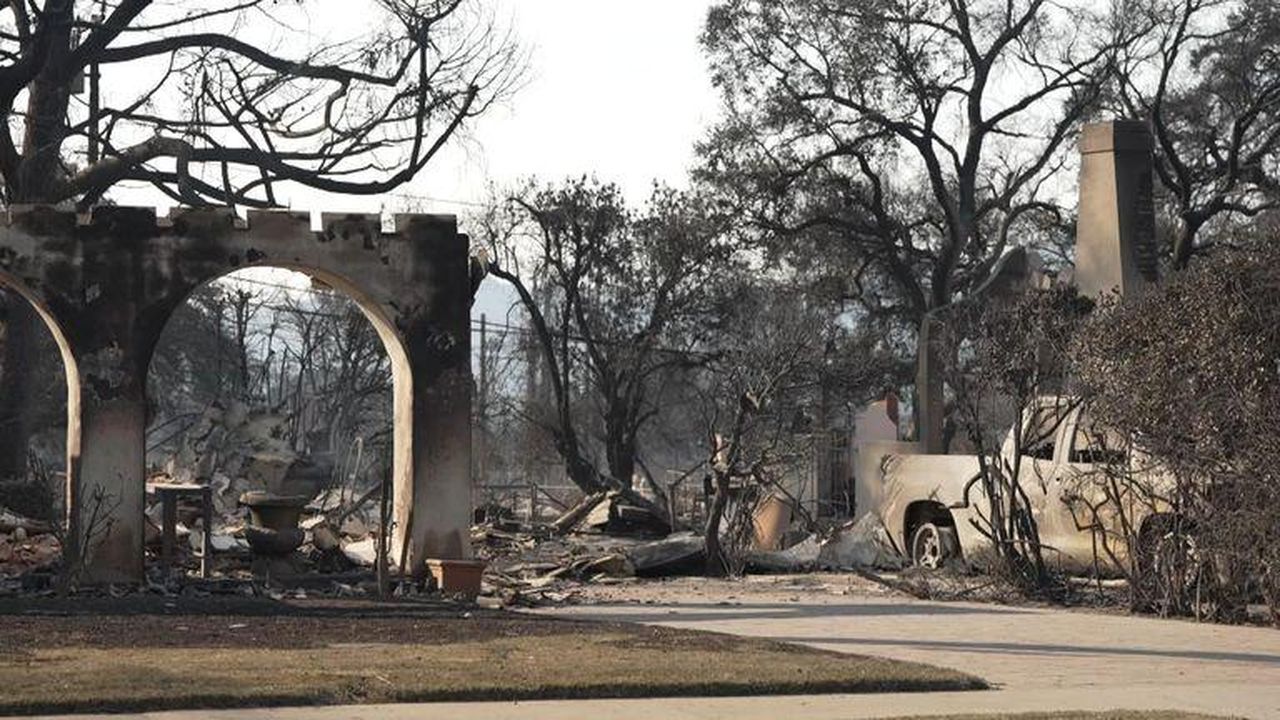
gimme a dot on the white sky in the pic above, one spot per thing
(618, 88)
(615, 88)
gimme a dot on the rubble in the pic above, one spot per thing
(801, 556)
(677, 554)
(223, 542)
(534, 564)
(20, 555)
(362, 552)
(320, 533)
(612, 513)
(861, 545)
(239, 451)
(26, 544)
(11, 522)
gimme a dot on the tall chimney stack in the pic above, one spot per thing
(1115, 233)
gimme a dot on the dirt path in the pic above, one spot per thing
(1019, 648)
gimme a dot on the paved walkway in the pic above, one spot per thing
(805, 707)
(1040, 659)
(1080, 660)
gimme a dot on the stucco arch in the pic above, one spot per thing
(393, 343)
(71, 372)
(112, 279)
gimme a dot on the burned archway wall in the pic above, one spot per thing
(114, 278)
(71, 375)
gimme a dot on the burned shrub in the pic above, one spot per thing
(1189, 373)
(1007, 369)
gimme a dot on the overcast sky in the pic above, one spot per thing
(618, 88)
(614, 88)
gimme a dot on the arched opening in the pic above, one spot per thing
(40, 423)
(283, 380)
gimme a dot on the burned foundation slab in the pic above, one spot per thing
(106, 283)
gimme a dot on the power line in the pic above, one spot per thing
(475, 324)
(579, 339)
(430, 198)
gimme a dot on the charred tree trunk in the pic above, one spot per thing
(41, 169)
(620, 452)
(1184, 244)
(34, 176)
(716, 565)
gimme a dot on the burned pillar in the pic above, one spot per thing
(85, 275)
(1115, 233)
(113, 332)
(433, 507)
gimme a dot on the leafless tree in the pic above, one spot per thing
(918, 135)
(901, 148)
(783, 364)
(1207, 78)
(614, 299)
(309, 357)
(750, 434)
(220, 102)
(1012, 359)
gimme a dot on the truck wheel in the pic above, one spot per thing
(933, 545)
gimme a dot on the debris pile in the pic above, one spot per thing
(614, 515)
(603, 540)
(530, 573)
(237, 450)
(864, 544)
(25, 545)
(610, 542)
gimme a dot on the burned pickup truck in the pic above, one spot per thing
(935, 510)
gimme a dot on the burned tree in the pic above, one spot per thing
(616, 299)
(225, 103)
(1010, 371)
(784, 362)
(180, 97)
(1207, 79)
(1188, 376)
(910, 142)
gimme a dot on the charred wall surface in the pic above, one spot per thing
(107, 282)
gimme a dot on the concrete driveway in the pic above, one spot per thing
(1040, 659)
(1075, 657)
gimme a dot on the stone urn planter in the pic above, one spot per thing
(273, 522)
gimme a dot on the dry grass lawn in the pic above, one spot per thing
(110, 661)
